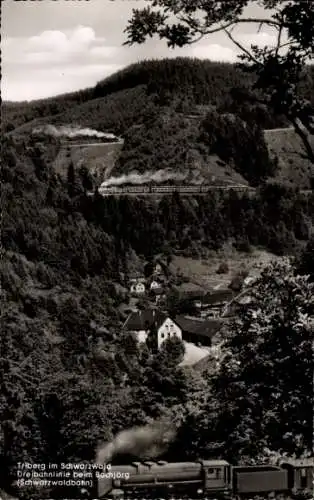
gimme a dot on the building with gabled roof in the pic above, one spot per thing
(152, 322)
(198, 330)
(155, 285)
(218, 297)
(138, 287)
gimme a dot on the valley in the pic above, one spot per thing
(157, 267)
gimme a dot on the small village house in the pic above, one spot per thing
(137, 287)
(190, 291)
(152, 325)
(208, 304)
(218, 297)
(158, 268)
(214, 303)
(155, 285)
(159, 294)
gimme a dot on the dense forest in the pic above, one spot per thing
(69, 377)
(187, 146)
(64, 255)
(120, 100)
(177, 112)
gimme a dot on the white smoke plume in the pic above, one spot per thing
(135, 178)
(145, 442)
(70, 131)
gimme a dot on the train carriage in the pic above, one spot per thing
(162, 189)
(209, 478)
(259, 479)
(300, 473)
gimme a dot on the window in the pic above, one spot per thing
(162, 335)
(214, 473)
(303, 482)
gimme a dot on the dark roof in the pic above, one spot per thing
(157, 291)
(156, 279)
(218, 296)
(190, 288)
(192, 291)
(135, 276)
(199, 327)
(191, 295)
(162, 264)
(141, 320)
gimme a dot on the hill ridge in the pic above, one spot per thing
(159, 106)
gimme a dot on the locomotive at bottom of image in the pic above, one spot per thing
(205, 479)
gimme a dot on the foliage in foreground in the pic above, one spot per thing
(259, 397)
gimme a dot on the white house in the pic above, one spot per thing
(138, 288)
(158, 268)
(155, 285)
(167, 330)
(152, 322)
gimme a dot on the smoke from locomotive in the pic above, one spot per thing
(144, 442)
(71, 132)
(134, 178)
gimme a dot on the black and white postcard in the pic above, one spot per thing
(157, 264)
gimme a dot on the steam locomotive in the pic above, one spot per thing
(166, 189)
(206, 478)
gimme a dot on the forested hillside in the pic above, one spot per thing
(69, 377)
(176, 112)
(170, 140)
(185, 79)
(65, 258)
(180, 82)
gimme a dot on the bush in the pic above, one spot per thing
(223, 268)
(243, 245)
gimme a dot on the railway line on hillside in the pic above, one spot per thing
(82, 144)
(148, 190)
(144, 190)
(285, 129)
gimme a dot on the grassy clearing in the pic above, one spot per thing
(203, 272)
(286, 145)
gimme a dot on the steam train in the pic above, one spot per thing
(166, 189)
(205, 479)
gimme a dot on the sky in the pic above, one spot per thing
(50, 47)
